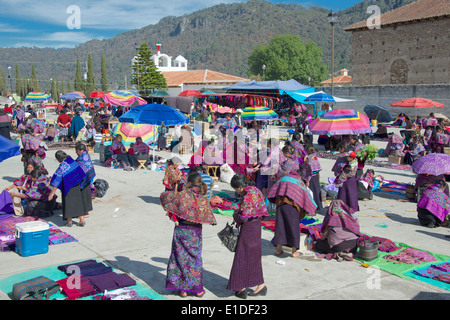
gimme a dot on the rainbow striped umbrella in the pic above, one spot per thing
(122, 98)
(258, 114)
(342, 121)
(37, 96)
(130, 132)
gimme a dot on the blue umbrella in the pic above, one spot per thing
(155, 114)
(8, 149)
(320, 97)
(381, 113)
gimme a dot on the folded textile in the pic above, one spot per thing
(86, 268)
(110, 281)
(444, 278)
(82, 289)
(443, 266)
(384, 245)
(429, 272)
(121, 294)
(410, 256)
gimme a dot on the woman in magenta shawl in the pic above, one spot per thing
(434, 206)
(247, 266)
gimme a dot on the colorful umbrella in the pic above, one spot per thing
(130, 132)
(37, 96)
(73, 95)
(417, 102)
(258, 114)
(220, 109)
(122, 98)
(190, 93)
(341, 121)
(433, 164)
(96, 94)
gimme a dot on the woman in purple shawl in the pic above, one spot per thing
(68, 178)
(290, 165)
(309, 171)
(299, 150)
(247, 265)
(434, 206)
(85, 162)
(340, 230)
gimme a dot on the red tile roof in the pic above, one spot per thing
(343, 78)
(418, 10)
(176, 78)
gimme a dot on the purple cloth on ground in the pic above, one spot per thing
(110, 281)
(443, 266)
(6, 205)
(88, 268)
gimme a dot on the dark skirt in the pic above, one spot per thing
(185, 267)
(162, 142)
(247, 266)
(72, 203)
(427, 219)
(40, 208)
(314, 185)
(287, 226)
(87, 198)
(322, 246)
(262, 180)
(363, 192)
(348, 193)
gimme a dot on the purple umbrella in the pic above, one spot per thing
(433, 164)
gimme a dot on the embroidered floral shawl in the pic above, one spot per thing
(188, 205)
(436, 201)
(85, 162)
(172, 176)
(253, 204)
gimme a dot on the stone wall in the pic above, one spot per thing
(410, 53)
(385, 95)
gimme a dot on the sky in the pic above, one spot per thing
(68, 23)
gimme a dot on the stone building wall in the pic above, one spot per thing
(385, 95)
(409, 53)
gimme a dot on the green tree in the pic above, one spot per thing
(288, 57)
(104, 79)
(34, 80)
(90, 80)
(69, 86)
(145, 75)
(3, 90)
(78, 82)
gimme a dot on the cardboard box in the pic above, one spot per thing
(447, 150)
(395, 159)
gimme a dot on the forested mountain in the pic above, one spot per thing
(219, 38)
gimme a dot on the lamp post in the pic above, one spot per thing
(332, 19)
(10, 80)
(264, 72)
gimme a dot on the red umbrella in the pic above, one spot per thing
(190, 93)
(417, 102)
(97, 94)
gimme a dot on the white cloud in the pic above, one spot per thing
(9, 29)
(104, 14)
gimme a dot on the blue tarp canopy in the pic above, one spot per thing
(379, 113)
(281, 86)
